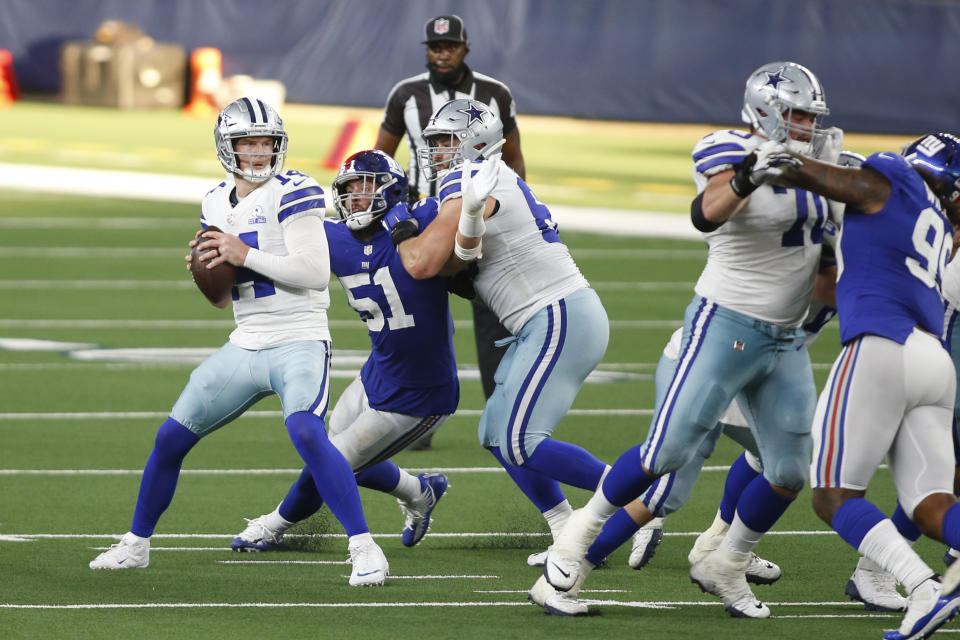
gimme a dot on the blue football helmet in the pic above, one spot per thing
(937, 158)
(381, 185)
(250, 118)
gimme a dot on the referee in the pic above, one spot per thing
(409, 106)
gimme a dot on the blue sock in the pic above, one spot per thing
(542, 491)
(566, 463)
(950, 528)
(760, 506)
(330, 470)
(626, 479)
(615, 532)
(854, 519)
(160, 476)
(383, 476)
(740, 475)
(302, 500)
(907, 527)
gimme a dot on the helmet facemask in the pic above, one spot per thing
(250, 118)
(774, 93)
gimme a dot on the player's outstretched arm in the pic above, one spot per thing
(863, 188)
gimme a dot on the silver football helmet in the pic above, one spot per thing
(773, 92)
(475, 127)
(248, 118)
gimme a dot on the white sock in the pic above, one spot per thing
(603, 476)
(719, 526)
(408, 488)
(359, 539)
(138, 539)
(599, 507)
(557, 517)
(884, 545)
(741, 539)
(276, 522)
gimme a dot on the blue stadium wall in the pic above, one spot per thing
(887, 65)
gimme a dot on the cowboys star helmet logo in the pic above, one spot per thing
(441, 26)
(774, 79)
(473, 114)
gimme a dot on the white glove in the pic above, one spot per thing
(475, 189)
(827, 145)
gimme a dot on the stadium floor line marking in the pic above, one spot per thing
(154, 415)
(250, 472)
(24, 537)
(347, 605)
(92, 323)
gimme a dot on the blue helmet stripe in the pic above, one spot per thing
(263, 110)
(253, 114)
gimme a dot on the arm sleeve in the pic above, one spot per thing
(308, 263)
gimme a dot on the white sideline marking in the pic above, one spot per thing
(92, 323)
(186, 284)
(275, 561)
(347, 605)
(127, 415)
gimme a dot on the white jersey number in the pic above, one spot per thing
(398, 319)
(934, 251)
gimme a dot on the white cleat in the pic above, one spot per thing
(927, 610)
(562, 567)
(645, 543)
(538, 559)
(257, 537)
(559, 603)
(706, 543)
(370, 566)
(130, 553)
(874, 587)
(761, 571)
(950, 582)
(723, 574)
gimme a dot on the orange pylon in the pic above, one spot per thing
(206, 73)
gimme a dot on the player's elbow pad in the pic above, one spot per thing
(700, 222)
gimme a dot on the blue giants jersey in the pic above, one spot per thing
(891, 262)
(412, 368)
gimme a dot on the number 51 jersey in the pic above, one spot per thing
(412, 368)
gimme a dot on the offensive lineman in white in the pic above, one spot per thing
(526, 276)
(272, 224)
(742, 334)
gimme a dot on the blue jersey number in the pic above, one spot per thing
(548, 228)
(794, 236)
(262, 285)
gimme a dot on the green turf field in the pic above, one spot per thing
(76, 430)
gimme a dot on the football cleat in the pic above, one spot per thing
(722, 574)
(418, 511)
(257, 537)
(874, 587)
(950, 582)
(562, 567)
(927, 610)
(130, 553)
(370, 566)
(761, 571)
(538, 559)
(706, 543)
(645, 543)
(559, 603)
(950, 556)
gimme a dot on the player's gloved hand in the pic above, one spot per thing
(762, 165)
(827, 145)
(474, 189)
(400, 223)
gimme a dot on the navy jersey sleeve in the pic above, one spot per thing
(425, 210)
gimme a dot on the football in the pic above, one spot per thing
(214, 283)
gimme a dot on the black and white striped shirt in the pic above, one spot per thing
(413, 100)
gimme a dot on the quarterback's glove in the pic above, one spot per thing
(474, 190)
(400, 223)
(762, 165)
(827, 145)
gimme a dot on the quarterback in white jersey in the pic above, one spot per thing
(525, 274)
(272, 229)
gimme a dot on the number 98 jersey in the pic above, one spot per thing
(890, 263)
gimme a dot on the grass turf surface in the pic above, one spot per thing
(122, 285)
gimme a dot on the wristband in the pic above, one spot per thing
(471, 226)
(404, 230)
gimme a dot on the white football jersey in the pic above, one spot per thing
(523, 267)
(950, 283)
(267, 313)
(762, 262)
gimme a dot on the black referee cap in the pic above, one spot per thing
(445, 28)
